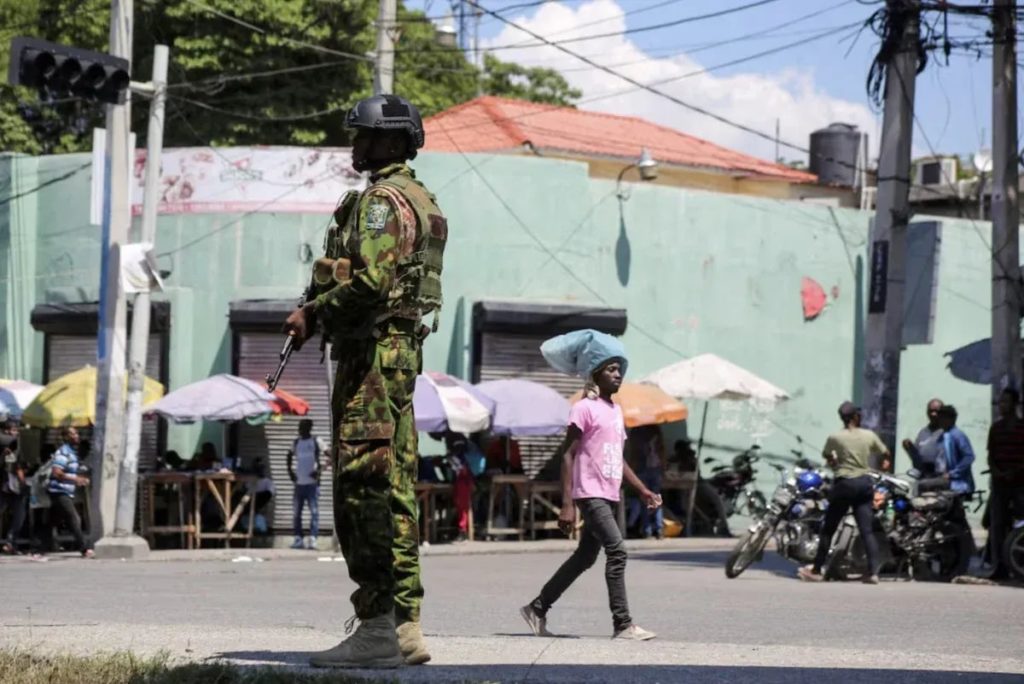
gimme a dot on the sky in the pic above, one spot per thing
(816, 77)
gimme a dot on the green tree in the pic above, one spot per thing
(536, 84)
(286, 78)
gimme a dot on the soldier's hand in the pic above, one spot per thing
(299, 326)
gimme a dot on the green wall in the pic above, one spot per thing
(697, 272)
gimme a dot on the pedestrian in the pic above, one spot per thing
(381, 275)
(956, 453)
(848, 452)
(467, 461)
(305, 463)
(1006, 464)
(592, 472)
(14, 488)
(64, 482)
(924, 450)
(652, 520)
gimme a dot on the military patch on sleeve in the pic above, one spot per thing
(377, 217)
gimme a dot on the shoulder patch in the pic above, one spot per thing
(377, 217)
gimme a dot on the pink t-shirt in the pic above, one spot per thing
(597, 468)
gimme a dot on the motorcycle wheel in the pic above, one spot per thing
(747, 548)
(1013, 552)
(951, 559)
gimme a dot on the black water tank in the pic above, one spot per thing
(834, 152)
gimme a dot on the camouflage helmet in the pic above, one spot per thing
(388, 113)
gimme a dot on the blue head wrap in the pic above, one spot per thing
(583, 352)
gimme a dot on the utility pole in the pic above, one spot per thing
(889, 235)
(108, 437)
(130, 545)
(384, 76)
(1006, 282)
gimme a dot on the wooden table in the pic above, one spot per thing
(219, 486)
(427, 494)
(500, 485)
(182, 484)
(685, 482)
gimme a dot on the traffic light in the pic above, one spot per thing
(62, 71)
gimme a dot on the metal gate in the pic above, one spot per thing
(510, 355)
(68, 353)
(306, 377)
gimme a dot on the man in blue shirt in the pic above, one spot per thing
(957, 453)
(64, 480)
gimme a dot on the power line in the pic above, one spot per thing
(259, 117)
(579, 39)
(264, 32)
(46, 184)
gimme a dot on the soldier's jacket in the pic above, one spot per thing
(385, 243)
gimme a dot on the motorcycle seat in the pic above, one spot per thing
(932, 501)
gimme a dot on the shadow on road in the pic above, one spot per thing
(772, 562)
(632, 673)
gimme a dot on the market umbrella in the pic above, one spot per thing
(524, 408)
(70, 400)
(644, 405)
(15, 395)
(288, 404)
(442, 402)
(709, 377)
(219, 398)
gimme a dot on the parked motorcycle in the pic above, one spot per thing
(735, 484)
(794, 517)
(922, 535)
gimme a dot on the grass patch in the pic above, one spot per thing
(22, 667)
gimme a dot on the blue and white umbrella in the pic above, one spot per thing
(442, 402)
(15, 395)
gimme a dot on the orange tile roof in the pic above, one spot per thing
(495, 124)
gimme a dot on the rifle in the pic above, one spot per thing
(289, 346)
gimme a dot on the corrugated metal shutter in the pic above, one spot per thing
(505, 356)
(305, 377)
(67, 353)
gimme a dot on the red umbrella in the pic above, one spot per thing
(288, 403)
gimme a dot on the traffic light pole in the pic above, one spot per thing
(139, 339)
(108, 437)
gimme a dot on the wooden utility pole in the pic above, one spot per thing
(1006, 282)
(889, 234)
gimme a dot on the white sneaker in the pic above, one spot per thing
(311, 543)
(538, 624)
(634, 633)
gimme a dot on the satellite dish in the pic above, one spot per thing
(983, 161)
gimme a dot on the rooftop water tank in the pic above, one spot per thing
(834, 154)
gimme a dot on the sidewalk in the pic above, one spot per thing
(474, 548)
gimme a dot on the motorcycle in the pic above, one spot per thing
(923, 535)
(794, 517)
(735, 484)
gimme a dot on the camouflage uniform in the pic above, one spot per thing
(370, 309)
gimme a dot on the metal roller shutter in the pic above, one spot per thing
(505, 356)
(67, 353)
(305, 377)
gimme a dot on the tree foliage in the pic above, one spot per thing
(536, 84)
(286, 78)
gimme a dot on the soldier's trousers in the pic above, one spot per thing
(375, 511)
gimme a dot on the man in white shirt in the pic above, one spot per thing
(304, 467)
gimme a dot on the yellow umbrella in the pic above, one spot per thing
(645, 405)
(70, 400)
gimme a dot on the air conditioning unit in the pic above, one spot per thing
(936, 171)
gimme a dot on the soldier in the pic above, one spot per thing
(381, 275)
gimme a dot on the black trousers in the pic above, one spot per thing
(62, 509)
(856, 493)
(1006, 504)
(18, 505)
(600, 530)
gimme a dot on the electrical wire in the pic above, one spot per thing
(259, 117)
(46, 184)
(264, 32)
(626, 32)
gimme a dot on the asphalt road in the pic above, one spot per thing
(762, 627)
